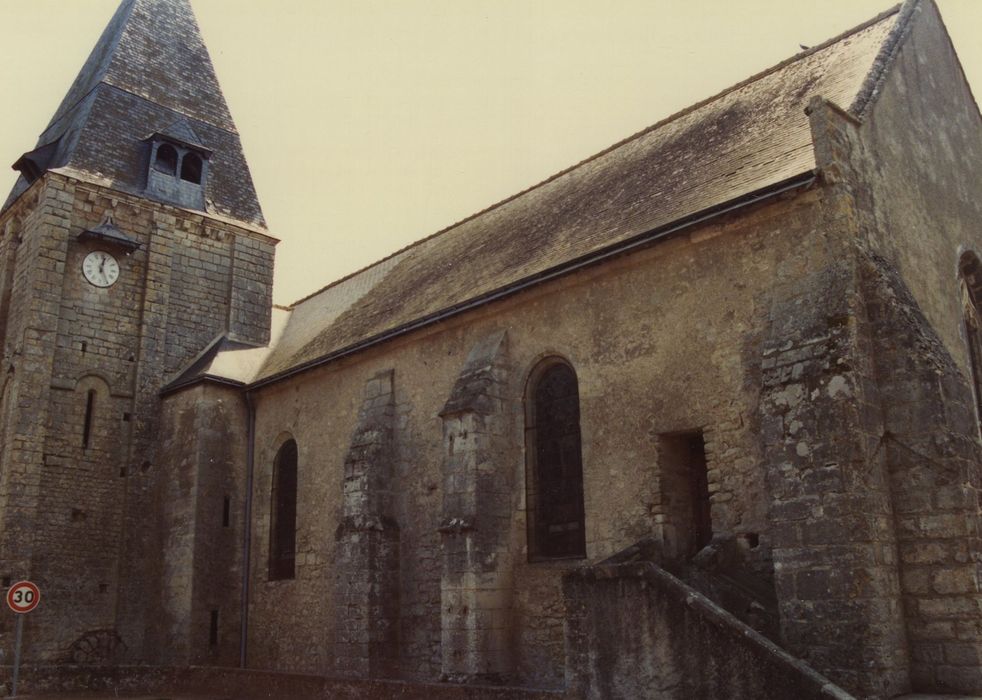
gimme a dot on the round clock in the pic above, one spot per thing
(100, 268)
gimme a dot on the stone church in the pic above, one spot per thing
(698, 417)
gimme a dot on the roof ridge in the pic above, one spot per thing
(366, 268)
(877, 73)
(662, 122)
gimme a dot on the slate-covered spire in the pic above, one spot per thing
(149, 71)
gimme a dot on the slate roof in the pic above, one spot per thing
(229, 361)
(744, 140)
(148, 72)
(182, 132)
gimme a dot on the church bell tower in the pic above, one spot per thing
(131, 243)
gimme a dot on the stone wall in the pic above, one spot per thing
(916, 192)
(636, 631)
(242, 684)
(930, 441)
(199, 515)
(664, 341)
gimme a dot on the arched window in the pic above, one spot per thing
(191, 168)
(554, 465)
(283, 515)
(971, 273)
(166, 160)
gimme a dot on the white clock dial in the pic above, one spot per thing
(100, 268)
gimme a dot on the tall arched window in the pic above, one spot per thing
(283, 515)
(554, 465)
(971, 273)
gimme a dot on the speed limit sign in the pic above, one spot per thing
(23, 597)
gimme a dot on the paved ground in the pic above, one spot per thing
(111, 696)
(165, 696)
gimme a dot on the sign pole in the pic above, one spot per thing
(20, 637)
(22, 598)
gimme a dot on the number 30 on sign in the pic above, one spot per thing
(23, 597)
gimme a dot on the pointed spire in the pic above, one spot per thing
(149, 73)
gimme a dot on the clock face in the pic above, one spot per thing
(100, 268)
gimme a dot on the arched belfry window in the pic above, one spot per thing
(178, 170)
(971, 274)
(554, 464)
(283, 515)
(166, 159)
(191, 168)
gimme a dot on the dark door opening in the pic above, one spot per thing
(685, 490)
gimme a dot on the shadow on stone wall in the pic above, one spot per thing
(634, 630)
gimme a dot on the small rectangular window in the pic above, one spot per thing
(226, 512)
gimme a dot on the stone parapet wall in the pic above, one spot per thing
(636, 631)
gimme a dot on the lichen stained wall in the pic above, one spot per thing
(666, 340)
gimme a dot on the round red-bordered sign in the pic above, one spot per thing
(23, 597)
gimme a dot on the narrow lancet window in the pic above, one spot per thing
(283, 518)
(554, 467)
(213, 629)
(87, 424)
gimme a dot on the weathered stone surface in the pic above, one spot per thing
(367, 555)
(476, 587)
(813, 348)
(636, 631)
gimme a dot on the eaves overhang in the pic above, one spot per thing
(175, 387)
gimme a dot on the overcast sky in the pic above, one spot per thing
(369, 125)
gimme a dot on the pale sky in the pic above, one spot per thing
(370, 124)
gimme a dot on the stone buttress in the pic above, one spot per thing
(367, 563)
(476, 584)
